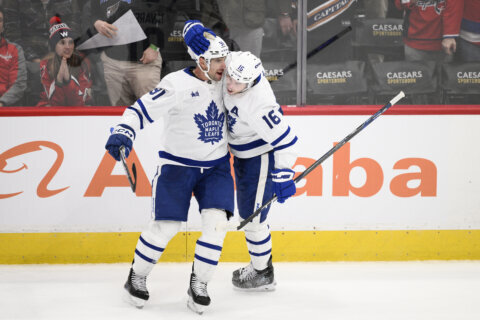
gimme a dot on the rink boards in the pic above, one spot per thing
(405, 188)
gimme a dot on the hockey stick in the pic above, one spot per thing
(316, 50)
(133, 184)
(328, 154)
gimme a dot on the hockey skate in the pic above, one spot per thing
(198, 298)
(136, 288)
(249, 279)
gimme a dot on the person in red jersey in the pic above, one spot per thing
(429, 28)
(65, 75)
(13, 72)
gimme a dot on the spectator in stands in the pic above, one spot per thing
(469, 41)
(65, 75)
(429, 27)
(27, 24)
(133, 69)
(246, 19)
(13, 72)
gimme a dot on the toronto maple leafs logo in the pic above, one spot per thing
(210, 126)
(231, 122)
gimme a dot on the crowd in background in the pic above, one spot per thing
(41, 65)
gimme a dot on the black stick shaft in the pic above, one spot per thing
(319, 48)
(328, 154)
(133, 184)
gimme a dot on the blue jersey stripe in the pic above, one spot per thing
(259, 242)
(212, 262)
(144, 110)
(260, 254)
(151, 246)
(140, 117)
(191, 162)
(144, 257)
(248, 146)
(208, 245)
(287, 145)
(274, 143)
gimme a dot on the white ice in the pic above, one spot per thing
(327, 291)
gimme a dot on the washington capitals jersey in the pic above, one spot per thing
(193, 115)
(256, 125)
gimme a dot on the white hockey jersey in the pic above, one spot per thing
(194, 132)
(256, 125)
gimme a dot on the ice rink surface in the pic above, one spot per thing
(317, 290)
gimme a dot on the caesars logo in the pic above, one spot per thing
(175, 36)
(387, 30)
(469, 77)
(420, 180)
(404, 77)
(333, 76)
(273, 74)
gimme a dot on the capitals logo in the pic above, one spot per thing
(210, 126)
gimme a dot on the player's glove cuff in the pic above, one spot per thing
(122, 135)
(283, 184)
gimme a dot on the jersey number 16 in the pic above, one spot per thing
(272, 118)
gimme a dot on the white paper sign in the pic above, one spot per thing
(129, 31)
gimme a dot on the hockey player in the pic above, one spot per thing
(194, 159)
(262, 143)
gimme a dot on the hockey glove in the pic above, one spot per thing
(283, 184)
(194, 38)
(122, 135)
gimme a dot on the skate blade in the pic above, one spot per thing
(195, 307)
(134, 301)
(264, 288)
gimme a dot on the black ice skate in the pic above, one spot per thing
(198, 298)
(249, 279)
(136, 287)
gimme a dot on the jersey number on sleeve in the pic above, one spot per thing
(160, 92)
(272, 118)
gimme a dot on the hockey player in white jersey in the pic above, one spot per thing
(262, 142)
(263, 145)
(194, 159)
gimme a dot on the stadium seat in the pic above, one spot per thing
(284, 84)
(460, 83)
(378, 37)
(340, 83)
(418, 79)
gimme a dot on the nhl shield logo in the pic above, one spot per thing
(210, 126)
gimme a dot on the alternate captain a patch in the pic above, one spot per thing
(210, 126)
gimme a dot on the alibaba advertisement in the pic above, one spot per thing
(401, 172)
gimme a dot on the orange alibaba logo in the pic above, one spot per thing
(42, 189)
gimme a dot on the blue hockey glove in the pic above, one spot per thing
(194, 38)
(122, 135)
(283, 184)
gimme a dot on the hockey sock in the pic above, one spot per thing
(152, 243)
(209, 245)
(259, 244)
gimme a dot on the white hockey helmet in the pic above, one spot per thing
(217, 49)
(245, 67)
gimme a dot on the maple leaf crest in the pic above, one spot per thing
(231, 122)
(210, 125)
